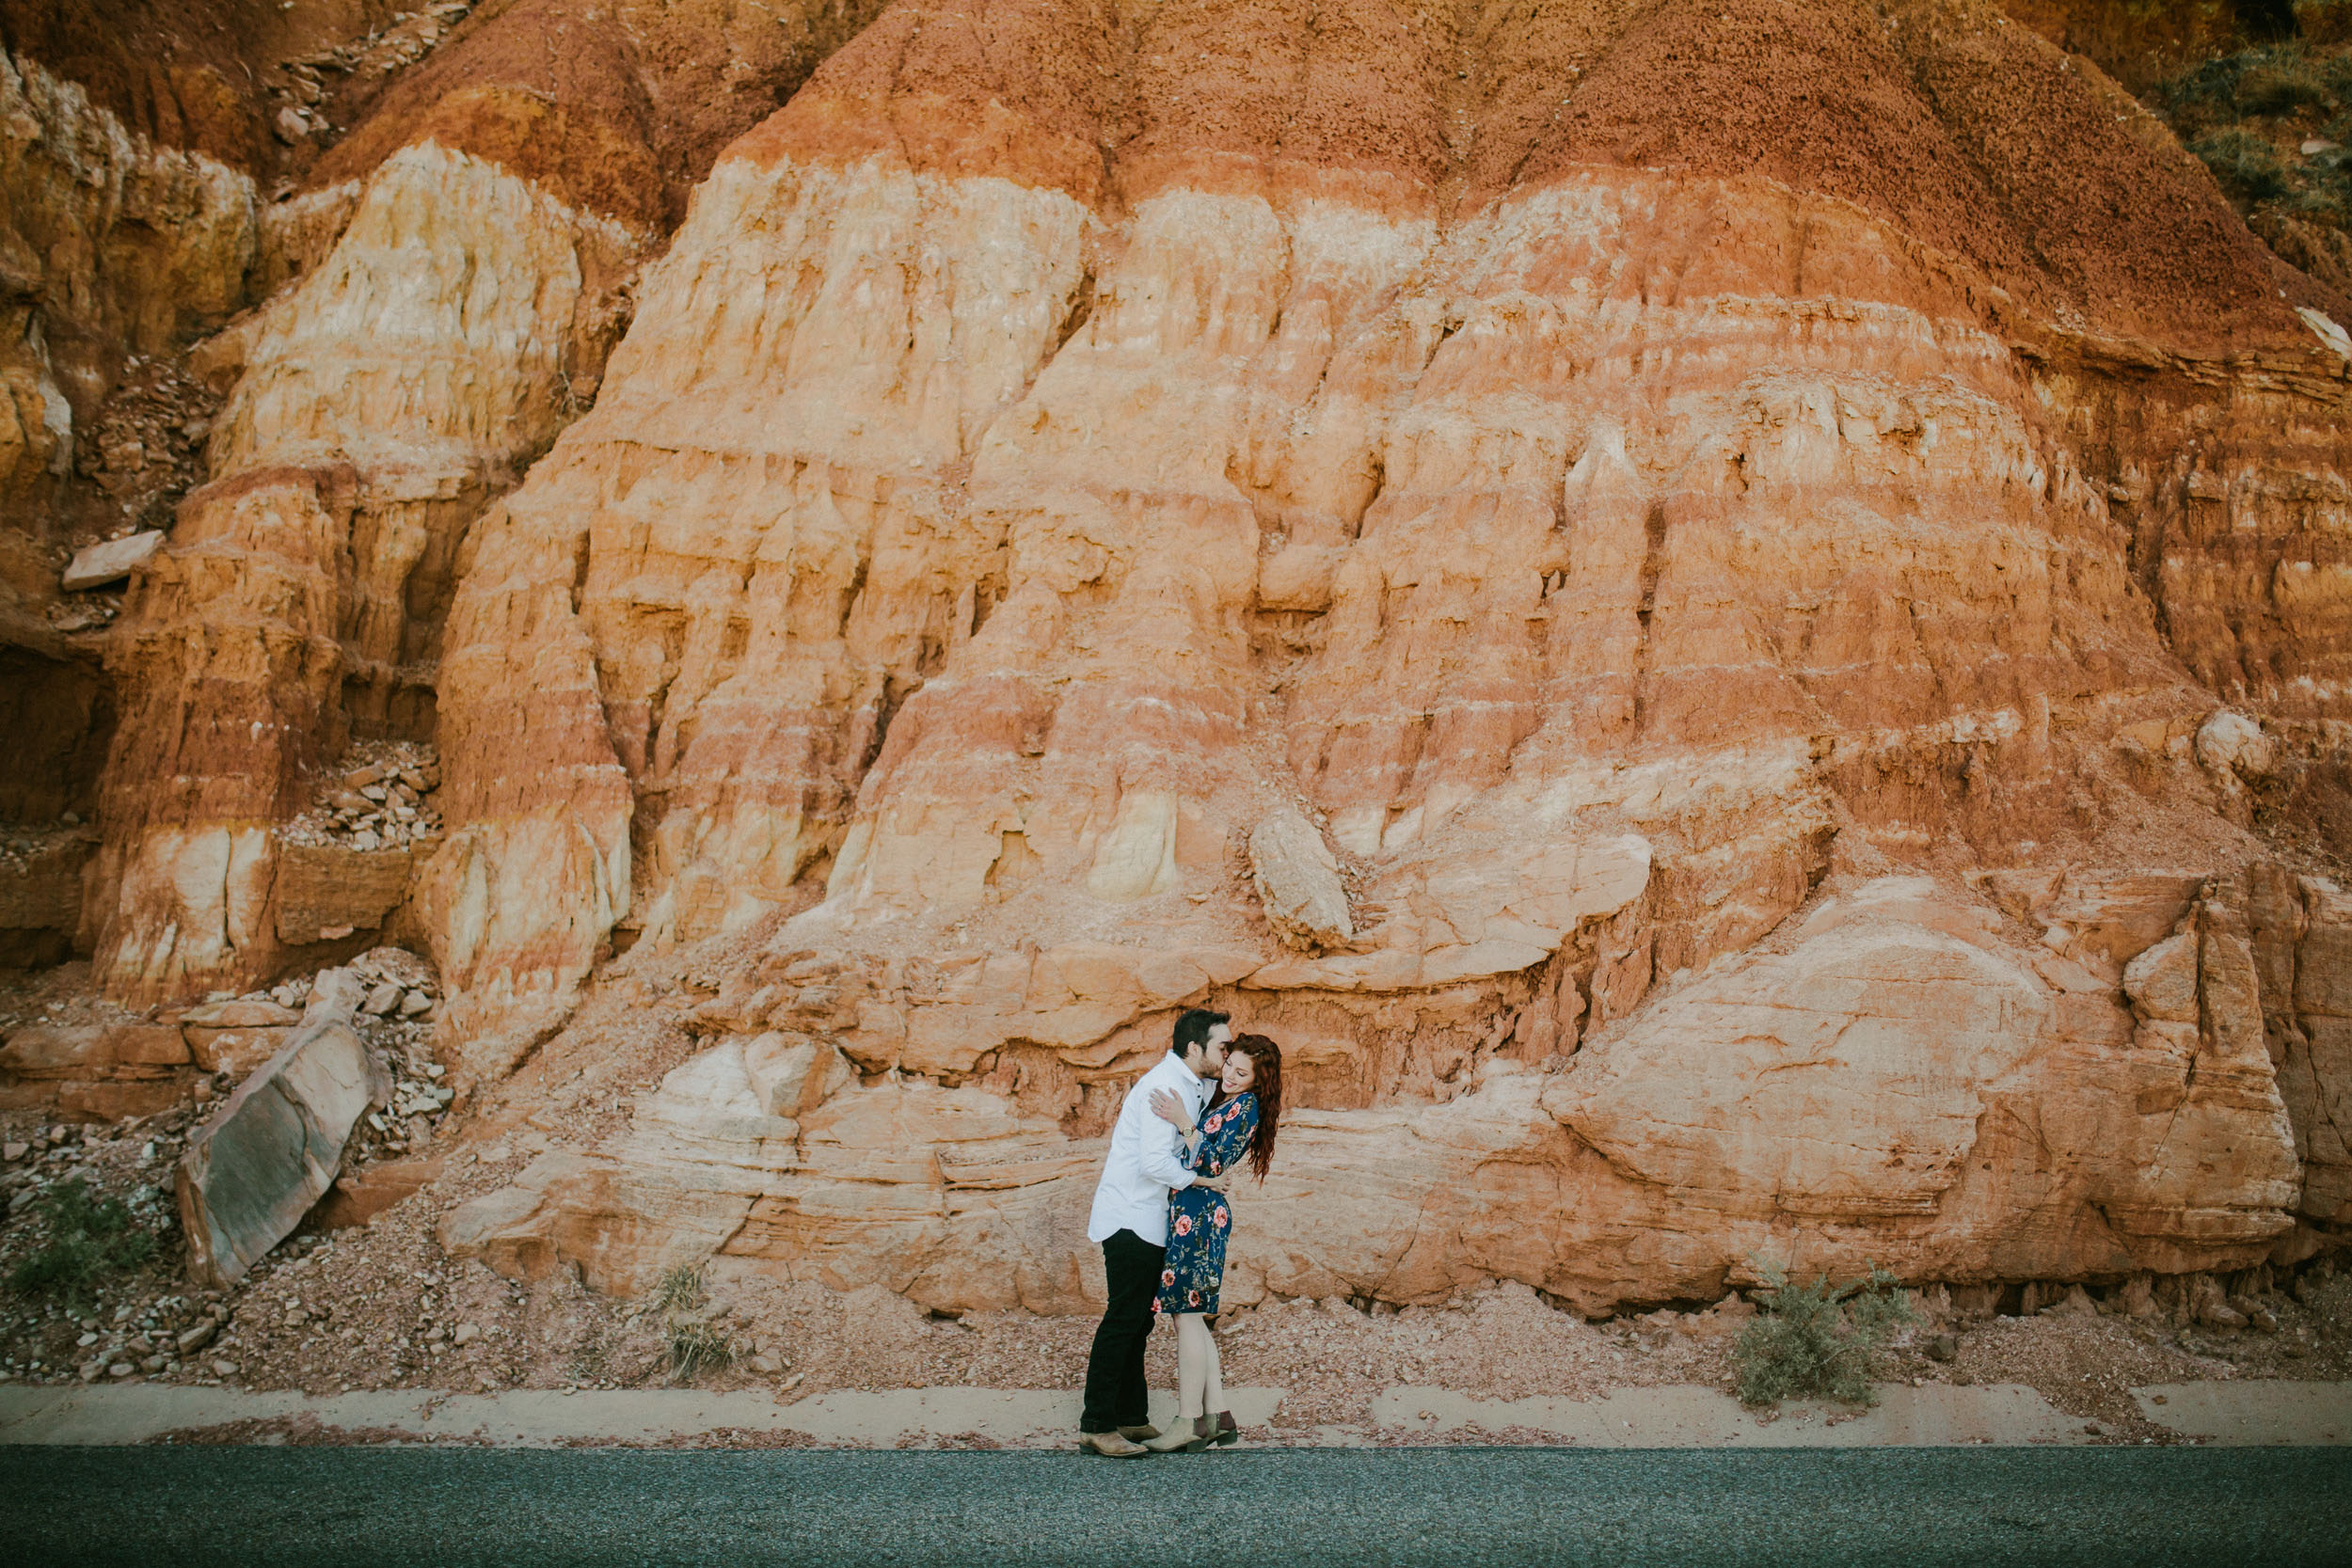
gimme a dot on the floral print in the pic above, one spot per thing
(1199, 1221)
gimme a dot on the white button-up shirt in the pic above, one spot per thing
(1146, 1157)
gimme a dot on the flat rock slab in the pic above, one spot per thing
(256, 1167)
(110, 560)
(2001, 1415)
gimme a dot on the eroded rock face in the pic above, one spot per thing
(457, 266)
(1470, 540)
(1585, 547)
(1906, 1083)
(111, 244)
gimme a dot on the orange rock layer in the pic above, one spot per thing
(1480, 540)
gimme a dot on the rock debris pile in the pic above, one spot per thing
(301, 106)
(381, 796)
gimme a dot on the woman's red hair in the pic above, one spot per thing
(1265, 1060)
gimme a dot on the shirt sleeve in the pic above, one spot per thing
(1160, 1147)
(1162, 1154)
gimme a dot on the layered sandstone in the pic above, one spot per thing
(458, 266)
(1703, 608)
(1584, 525)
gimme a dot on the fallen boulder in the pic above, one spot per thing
(256, 1167)
(110, 560)
(1299, 882)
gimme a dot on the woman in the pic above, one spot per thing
(1238, 1125)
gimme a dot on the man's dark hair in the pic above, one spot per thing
(1193, 1028)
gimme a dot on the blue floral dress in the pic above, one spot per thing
(1199, 1221)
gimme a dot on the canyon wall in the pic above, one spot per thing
(1594, 535)
(448, 278)
(1728, 618)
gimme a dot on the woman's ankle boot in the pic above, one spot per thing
(1185, 1435)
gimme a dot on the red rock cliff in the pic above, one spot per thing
(1729, 619)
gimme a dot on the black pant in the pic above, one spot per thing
(1117, 1395)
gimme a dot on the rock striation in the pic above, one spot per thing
(455, 270)
(1729, 619)
(1580, 535)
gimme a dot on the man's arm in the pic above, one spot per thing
(1161, 1156)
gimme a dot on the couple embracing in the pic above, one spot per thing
(1204, 1111)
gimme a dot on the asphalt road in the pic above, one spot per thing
(1428, 1508)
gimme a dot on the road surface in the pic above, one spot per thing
(1426, 1507)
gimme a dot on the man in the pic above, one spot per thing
(1130, 1220)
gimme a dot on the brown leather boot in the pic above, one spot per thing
(1109, 1445)
(1228, 1432)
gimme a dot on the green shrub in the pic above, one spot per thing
(694, 1346)
(2278, 80)
(2248, 167)
(681, 1289)
(2280, 86)
(87, 1241)
(1818, 1340)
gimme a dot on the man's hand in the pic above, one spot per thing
(1208, 1183)
(1170, 1107)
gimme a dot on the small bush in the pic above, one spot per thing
(2280, 86)
(694, 1346)
(87, 1241)
(1818, 1340)
(2248, 167)
(681, 1289)
(2278, 80)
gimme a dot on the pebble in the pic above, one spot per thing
(121, 1369)
(468, 1333)
(223, 1369)
(13, 1152)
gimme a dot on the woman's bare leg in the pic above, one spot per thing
(1212, 1390)
(1196, 1364)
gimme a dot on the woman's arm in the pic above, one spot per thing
(1170, 1107)
(1226, 1135)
